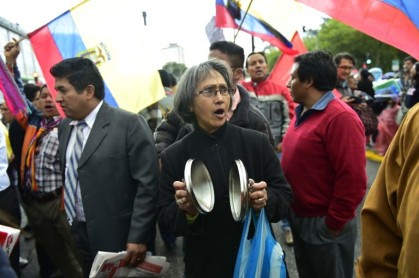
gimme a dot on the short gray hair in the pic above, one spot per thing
(187, 87)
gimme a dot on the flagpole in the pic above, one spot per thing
(145, 18)
(241, 23)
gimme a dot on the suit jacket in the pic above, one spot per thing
(118, 175)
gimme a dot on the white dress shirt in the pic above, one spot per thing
(90, 120)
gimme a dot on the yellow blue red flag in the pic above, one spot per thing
(231, 14)
(111, 35)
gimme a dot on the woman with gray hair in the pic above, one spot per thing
(212, 239)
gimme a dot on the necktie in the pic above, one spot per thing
(71, 178)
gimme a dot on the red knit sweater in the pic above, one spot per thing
(324, 161)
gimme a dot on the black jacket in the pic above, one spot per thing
(412, 97)
(246, 115)
(212, 241)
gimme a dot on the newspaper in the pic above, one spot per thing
(8, 238)
(109, 265)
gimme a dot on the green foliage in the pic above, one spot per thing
(272, 56)
(336, 37)
(176, 69)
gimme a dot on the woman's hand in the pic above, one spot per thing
(183, 199)
(258, 194)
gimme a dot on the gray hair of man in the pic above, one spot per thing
(188, 84)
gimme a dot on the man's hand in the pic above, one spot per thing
(279, 147)
(347, 99)
(135, 254)
(11, 51)
(334, 233)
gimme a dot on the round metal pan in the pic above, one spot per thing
(238, 190)
(199, 185)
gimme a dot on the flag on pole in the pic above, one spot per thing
(395, 22)
(230, 14)
(281, 71)
(112, 35)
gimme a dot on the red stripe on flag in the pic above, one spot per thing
(375, 18)
(223, 18)
(47, 53)
(281, 71)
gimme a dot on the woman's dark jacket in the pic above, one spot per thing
(212, 241)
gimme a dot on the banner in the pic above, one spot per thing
(111, 35)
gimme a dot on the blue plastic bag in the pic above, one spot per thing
(261, 256)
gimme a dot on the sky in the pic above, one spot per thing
(169, 21)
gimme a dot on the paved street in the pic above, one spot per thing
(175, 256)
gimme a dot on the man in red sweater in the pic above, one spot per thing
(324, 161)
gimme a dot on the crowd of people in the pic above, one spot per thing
(104, 179)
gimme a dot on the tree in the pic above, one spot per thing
(176, 69)
(272, 55)
(336, 37)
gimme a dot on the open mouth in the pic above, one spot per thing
(219, 113)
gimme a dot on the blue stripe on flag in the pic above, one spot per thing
(70, 44)
(409, 7)
(257, 25)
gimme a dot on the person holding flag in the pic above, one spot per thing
(40, 179)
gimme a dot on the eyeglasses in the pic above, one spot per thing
(212, 91)
(346, 67)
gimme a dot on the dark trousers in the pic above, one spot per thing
(52, 231)
(80, 235)
(318, 254)
(9, 206)
(46, 265)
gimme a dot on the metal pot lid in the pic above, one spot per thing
(238, 190)
(199, 185)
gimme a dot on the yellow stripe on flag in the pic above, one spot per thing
(114, 32)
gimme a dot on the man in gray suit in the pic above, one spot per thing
(111, 205)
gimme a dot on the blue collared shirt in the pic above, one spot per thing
(320, 105)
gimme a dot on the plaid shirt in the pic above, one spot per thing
(47, 162)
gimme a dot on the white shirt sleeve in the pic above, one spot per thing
(4, 163)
